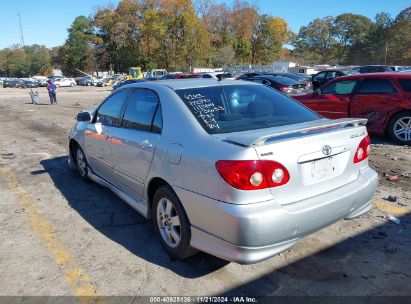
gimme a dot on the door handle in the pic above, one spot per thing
(146, 143)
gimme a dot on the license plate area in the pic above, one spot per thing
(318, 170)
(322, 168)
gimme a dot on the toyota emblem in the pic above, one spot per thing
(327, 150)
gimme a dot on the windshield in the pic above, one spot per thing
(234, 108)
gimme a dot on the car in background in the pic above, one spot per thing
(382, 98)
(216, 165)
(323, 77)
(217, 76)
(283, 84)
(397, 68)
(28, 83)
(130, 81)
(103, 82)
(179, 76)
(372, 69)
(156, 73)
(64, 82)
(302, 79)
(11, 83)
(86, 81)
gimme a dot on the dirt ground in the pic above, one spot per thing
(62, 236)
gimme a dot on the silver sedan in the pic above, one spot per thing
(231, 168)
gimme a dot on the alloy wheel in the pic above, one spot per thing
(81, 163)
(168, 222)
(402, 128)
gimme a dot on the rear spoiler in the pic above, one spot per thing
(314, 128)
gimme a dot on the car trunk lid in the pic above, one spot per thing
(318, 155)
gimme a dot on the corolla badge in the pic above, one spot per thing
(326, 150)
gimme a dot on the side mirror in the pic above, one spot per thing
(318, 91)
(83, 116)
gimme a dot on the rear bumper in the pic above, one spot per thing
(254, 232)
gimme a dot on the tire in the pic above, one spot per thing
(171, 224)
(81, 164)
(399, 128)
(72, 84)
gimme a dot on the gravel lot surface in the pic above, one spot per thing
(62, 236)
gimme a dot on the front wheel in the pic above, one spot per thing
(171, 223)
(81, 163)
(399, 128)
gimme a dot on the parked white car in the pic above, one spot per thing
(65, 82)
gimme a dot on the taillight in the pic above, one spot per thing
(363, 150)
(252, 174)
(284, 89)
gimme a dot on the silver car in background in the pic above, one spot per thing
(231, 168)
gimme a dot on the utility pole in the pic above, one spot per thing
(21, 30)
(386, 51)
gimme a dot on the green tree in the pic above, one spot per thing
(38, 57)
(348, 30)
(78, 51)
(317, 37)
(269, 36)
(399, 44)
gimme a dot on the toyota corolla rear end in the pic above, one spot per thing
(284, 172)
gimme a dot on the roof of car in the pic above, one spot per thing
(178, 84)
(376, 75)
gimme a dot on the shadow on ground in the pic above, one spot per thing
(375, 262)
(115, 219)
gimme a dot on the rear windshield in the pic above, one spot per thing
(234, 108)
(283, 80)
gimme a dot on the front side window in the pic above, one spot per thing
(376, 86)
(141, 110)
(319, 76)
(340, 87)
(234, 108)
(109, 112)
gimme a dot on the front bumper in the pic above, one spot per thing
(254, 232)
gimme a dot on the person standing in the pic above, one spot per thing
(51, 87)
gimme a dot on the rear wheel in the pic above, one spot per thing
(171, 223)
(81, 163)
(399, 128)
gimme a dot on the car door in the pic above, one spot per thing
(333, 100)
(374, 99)
(318, 80)
(133, 144)
(97, 136)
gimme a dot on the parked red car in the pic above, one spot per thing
(383, 98)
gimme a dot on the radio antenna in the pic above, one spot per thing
(21, 30)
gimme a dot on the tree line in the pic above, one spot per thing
(181, 34)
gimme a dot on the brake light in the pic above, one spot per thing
(363, 150)
(284, 89)
(252, 174)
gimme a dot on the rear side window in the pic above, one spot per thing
(376, 86)
(405, 84)
(340, 87)
(233, 108)
(109, 112)
(141, 110)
